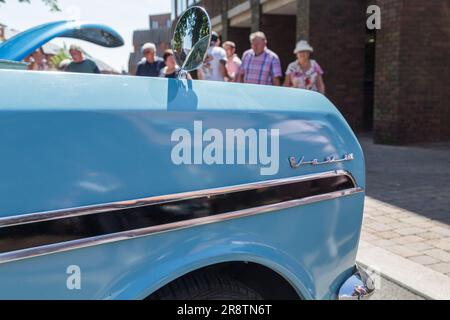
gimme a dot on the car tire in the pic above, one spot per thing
(206, 286)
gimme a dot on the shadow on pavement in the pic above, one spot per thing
(412, 178)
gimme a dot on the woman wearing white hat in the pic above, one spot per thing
(305, 73)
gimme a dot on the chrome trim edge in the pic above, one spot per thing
(127, 235)
(114, 206)
(359, 286)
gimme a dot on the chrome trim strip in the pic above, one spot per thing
(81, 211)
(126, 235)
(89, 242)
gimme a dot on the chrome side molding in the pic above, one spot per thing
(25, 229)
(121, 205)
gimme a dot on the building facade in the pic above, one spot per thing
(391, 81)
(159, 32)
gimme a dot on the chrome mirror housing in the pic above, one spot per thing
(191, 38)
(358, 287)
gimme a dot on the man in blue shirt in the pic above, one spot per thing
(151, 65)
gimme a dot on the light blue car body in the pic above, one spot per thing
(75, 140)
(72, 140)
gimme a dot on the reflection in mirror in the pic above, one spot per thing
(191, 38)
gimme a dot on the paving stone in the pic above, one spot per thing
(442, 231)
(368, 228)
(403, 251)
(420, 246)
(424, 260)
(407, 203)
(430, 236)
(440, 224)
(388, 209)
(416, 220)
(386, 220)
(400, 225)
(383, 243)
(399, 213)
(407, 239)
(379, 226)
(388, 235)
(369, 237)
(443, 244)
(426, 227)
(425, 224)
(409, 231)
(399, 216)
(443, 267)
(368, 220)
(439, 254)
(376, 213)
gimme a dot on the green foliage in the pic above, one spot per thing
(58, 58)
(52, 4)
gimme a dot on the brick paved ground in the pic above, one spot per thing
(408, 202)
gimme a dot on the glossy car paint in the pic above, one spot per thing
(74, 140)
(22, 45)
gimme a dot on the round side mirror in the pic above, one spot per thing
(191, 38)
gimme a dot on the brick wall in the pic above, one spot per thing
(337, 32)
(214, 7)
(411, 95)
(281, 35)
(162, 19)
(425, 71)
(413, 74)
(240, 36)
(303, 21)
(387, 73)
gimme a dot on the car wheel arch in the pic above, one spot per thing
(145, 285)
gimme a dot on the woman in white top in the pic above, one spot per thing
(213, 67)
(305, 73)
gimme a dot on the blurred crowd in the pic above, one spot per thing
(78, 62)
(258, 65)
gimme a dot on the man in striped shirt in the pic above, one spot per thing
(259, 64)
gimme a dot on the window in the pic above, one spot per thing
(174, 6)
(179, 6)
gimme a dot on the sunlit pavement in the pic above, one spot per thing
(407, 210)
(388, 290)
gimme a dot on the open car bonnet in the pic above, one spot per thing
(25, 43)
